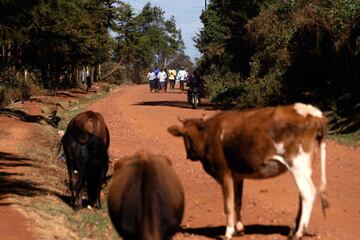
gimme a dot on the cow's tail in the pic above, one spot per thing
(150, 208)
(322, 190)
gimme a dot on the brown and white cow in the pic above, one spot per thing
(146, 199)
(257, 144)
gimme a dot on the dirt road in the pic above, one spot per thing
(138, 120)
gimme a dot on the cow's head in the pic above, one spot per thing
(192, 133)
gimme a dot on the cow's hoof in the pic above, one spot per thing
(230, 231)
(240, 233)
(76, 208)
(240, 230)
(292, 236)
(309, 234)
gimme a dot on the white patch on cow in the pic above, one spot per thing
(279, 147)
(222, 135)
(305, 109)
(230, 231)
(61, 133)
(76, 172)
(229, 204)
(239, 226)
(281, 160)
(301, 171)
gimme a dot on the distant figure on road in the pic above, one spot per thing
(156, 83)
(172, 76)
(151, 78)
(182, 76)
(162, 79)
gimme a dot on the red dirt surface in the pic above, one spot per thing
(138, 120)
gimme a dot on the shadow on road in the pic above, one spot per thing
(182, 104)
(219, 231)
(23, 116)
(12, 180)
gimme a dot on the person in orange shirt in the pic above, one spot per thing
(172, 76)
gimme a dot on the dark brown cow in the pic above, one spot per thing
(85, 144)
(94, 123)
(258, 144)
(146, 199)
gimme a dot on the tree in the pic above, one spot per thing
(145, 39)
(55, 37)
(260, 53)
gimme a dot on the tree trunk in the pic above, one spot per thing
(95, 73)
(44, 76)
(117, 67)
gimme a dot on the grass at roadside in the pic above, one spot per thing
(45, 198)
(75, 107)
(351, 139)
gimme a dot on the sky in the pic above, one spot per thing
(187, 16)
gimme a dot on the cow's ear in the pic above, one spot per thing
(176, 131)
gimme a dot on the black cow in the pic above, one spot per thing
(146, 199)
(87, 163)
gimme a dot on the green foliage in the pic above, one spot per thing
(14, 89)
(285, 51)
(145, 39)
(120, 76)
(53, 38)
(223, 89)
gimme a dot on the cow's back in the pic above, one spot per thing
(248, 138)
(93, 123)
(145, 199)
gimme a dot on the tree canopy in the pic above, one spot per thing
(261, 53)
(146, 39)
(56, 40)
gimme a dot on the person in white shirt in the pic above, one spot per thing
(162, 78)
(151, 77)
(182, 76)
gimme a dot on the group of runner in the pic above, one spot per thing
(159, 79)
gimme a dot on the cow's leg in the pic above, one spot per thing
(301, 171)
(238, 184)
(99, 186)
(94, 189)
(79, 192)
(72, 190)
(228, 194)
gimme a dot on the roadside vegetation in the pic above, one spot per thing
(263, 53)
(254, 54)
(43, 195)
(57, 44)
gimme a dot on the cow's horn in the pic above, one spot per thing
(204, 117)
(181, 119)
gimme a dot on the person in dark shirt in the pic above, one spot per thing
(195, 83)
